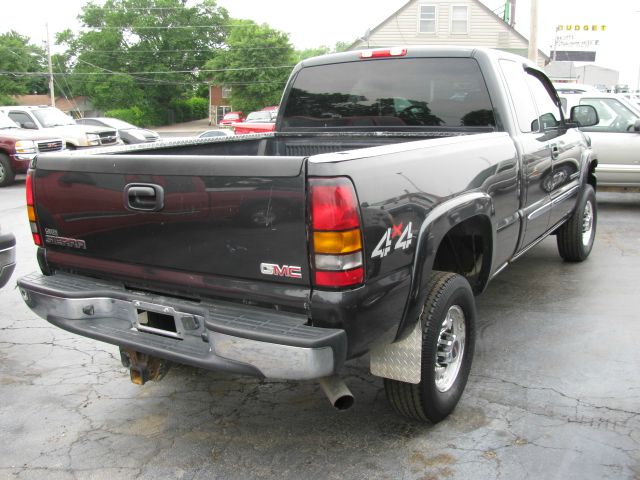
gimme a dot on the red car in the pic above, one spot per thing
(230, 118)
(256, 122)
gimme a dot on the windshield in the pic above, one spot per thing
(263, 116)
(52, 117)
(401, 93)
(6, 122)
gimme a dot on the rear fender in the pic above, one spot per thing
(401, 360)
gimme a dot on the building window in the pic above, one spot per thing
(427, 20)
(226, 92)
(459, 19)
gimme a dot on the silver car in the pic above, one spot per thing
(615, 139)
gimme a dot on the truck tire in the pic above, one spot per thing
(448, 341)
(6, 172)
(575, 238)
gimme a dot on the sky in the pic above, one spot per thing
(313, 24)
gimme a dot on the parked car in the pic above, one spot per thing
(216, 132)
(19, 146)
(256, 122)
(273, 110)
(261, 116)
(615, 139)
(230, 118)
(563, 88)
(56, 123)
(128, 133)
(7, 257)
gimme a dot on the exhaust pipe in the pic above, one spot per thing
(337, 391)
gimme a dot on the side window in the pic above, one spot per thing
(20, 118)
(549, 112)
(526, 113)
(427, 19)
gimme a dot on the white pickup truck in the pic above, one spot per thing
(54, 121)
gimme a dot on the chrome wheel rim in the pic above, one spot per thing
(450, 350)
(587, 224)
(2, 172)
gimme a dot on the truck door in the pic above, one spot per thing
(535, 151)
(566, 145)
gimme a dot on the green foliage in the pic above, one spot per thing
(190, 109)
(18, 55)
(6, 100)
(311, 52)
(145, 116)
(161, 44)
(342, 46)
(255, 64)
(132, 115)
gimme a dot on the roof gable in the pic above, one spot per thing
(486, 29)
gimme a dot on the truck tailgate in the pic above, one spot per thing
(226, 216)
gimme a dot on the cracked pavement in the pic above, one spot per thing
(554, 390)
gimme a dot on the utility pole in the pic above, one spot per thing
(533, 34)
(53, 98)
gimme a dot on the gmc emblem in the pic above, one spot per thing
(280, 271)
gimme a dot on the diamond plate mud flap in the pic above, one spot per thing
(399, 360)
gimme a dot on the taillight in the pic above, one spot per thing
(31, 211)
(336, 234)
(384, 52)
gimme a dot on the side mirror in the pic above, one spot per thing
(584, 116)
(29, 125)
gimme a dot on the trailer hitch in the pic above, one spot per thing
(144, 367)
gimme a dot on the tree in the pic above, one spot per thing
(19, 60)
(255, 63)
(142, 52)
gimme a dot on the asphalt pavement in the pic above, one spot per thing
(554, 391)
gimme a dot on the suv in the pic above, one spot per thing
(55, 122)
(19, 146)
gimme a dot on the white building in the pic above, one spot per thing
(441, 22)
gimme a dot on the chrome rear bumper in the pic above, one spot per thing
(212, 335)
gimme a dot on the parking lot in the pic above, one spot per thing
(554, 391)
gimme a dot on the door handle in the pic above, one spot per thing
(144, 197)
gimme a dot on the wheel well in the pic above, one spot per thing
(591, 175)
(466, 250)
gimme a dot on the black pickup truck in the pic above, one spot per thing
(397, 184)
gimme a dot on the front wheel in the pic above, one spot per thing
(575, 238)
(448, 342)
(6, 172)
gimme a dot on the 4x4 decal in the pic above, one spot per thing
(385, 246)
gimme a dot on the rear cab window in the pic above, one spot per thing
(397, 94)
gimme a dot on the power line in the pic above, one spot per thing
(170, 27)
(110, 72)
(131, 49)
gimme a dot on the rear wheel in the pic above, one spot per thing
(575, 238)
(6, 172)
(448, 340)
